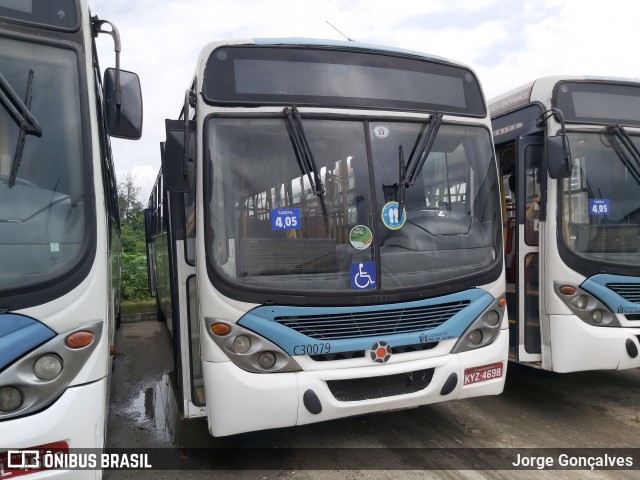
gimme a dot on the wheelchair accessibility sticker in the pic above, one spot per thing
(363, 275)
(391, 216)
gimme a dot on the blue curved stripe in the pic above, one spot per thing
(261, 320)
(597, 286)
(19, 335)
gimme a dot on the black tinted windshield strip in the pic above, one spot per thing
(331, 77)
(62, 15)
(598, 102)
(39, 293)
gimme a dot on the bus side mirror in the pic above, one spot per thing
(558, 156)
(124, 120)
(179, 156)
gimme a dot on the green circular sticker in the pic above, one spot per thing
(360, 237)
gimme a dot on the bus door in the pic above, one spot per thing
(528, 172)
(186, 340)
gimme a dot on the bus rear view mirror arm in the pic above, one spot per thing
(178, 156)
(557, 147)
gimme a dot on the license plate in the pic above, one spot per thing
(484, 373)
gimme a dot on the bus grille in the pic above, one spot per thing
(377, 323)
(628, 291)
(355, 389)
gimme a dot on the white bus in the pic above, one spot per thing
(59, 224)
(568, 148)
(325, 235)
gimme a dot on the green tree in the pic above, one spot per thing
(134, 258)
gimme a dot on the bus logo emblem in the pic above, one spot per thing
(380, 352)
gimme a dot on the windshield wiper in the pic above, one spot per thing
(625, 140)
(21, 114)
(304, 155)
(421, 150)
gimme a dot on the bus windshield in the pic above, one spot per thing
(601, 199)
(42, 209)
(273, 232)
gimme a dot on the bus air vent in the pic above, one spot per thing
(373, 323)
(628, 291)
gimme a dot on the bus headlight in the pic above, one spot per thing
(242, 344)
(33, 381)
(10, 399)
(47, 367)
(597, 316)
(483, 330)
(585, 306)
(267, 360)
(248, 350)
(582, 302)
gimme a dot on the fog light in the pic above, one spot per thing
(492, 318)
(47, 367)
(597, 316)
(267, 360)
(582, 302)
(10, 399)
(242, 344)
(475, 337)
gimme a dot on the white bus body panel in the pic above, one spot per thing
(239, 401)
(78, 417)
(577, 346)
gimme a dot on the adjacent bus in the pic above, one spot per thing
(568, 149)
(325, 235)
(59, 225)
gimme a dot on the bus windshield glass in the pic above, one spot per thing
(42, 208)
(267, 75)
(601, 199)
(272, 231)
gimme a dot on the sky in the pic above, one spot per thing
(506, 42)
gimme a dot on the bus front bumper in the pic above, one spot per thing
(577, 346)
(240, 401)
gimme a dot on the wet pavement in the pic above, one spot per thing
(537, 410)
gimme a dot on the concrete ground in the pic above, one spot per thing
(537, 410)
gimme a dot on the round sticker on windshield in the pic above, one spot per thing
(391, 216)
(381, 131)
(360, 237)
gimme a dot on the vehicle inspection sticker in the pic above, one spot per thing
(360, 237)
(391, 216)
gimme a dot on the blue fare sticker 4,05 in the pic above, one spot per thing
(599, 206)
(285, 219)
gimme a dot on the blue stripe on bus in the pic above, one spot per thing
(597, 286)
(342, 43)
(261, 320)
(19, 335)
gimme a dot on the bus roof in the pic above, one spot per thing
(539, 91)
(301, 41)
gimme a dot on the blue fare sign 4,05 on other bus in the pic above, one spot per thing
(285, 219)
(599, 206)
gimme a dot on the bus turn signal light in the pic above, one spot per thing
(220, 328)
(567, 290)
(79, 339)
(502, 302)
